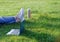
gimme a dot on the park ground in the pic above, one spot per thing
(43, 26)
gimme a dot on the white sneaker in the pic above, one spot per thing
(20, 15)
(14, 32)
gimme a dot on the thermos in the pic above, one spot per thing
(28, 13)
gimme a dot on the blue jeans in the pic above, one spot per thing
(7, 20)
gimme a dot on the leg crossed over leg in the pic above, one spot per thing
(13, 19)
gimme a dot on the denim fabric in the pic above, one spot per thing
(7, 20)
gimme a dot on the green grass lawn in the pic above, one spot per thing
(44, 25)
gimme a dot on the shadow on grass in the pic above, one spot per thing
(41, 24)
(49, 18)
(40, 37)
(49, 22)
(44, 22)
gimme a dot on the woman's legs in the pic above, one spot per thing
(18, 18)
(13, 19)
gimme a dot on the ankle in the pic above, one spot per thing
(17, 19)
